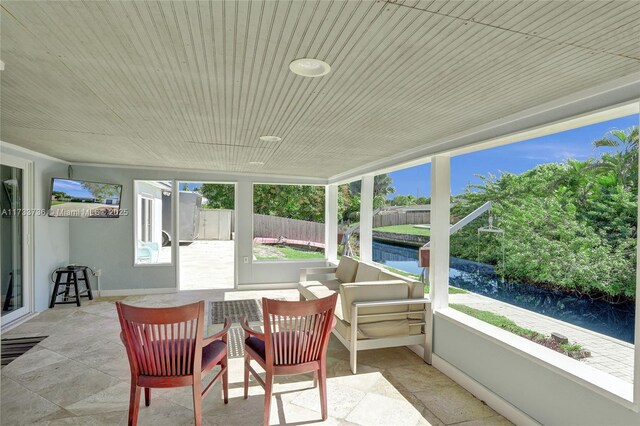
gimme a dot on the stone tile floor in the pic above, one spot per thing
(79, 375)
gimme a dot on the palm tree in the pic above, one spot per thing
(616, 138)
(623, 164)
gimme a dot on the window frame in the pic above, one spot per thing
(138, 197)
(621, 392)
(323, 259)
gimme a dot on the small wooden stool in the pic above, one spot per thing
(71, 279)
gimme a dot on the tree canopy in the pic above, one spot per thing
(306, 201)
(101, 190)
(218, 195)
(303, 202)
(570, 225)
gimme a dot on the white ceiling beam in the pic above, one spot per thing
(614, 99)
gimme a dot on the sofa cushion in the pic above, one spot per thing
(321, 291)
(367, 273)
(384, 275)
(377, 329)
(347, 269)
(372, 291)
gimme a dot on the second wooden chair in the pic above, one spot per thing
(295, 340)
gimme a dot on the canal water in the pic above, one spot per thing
(615, 320)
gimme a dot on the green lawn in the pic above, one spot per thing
(281, 252)
(497, 320)
(508, 325)
(452, 290)
(405, 229)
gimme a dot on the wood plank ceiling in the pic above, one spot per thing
(194, 84)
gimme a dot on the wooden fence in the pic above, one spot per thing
(265, 226)
(401, 218)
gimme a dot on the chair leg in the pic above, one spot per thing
(197, 402)
(322, 381)
(315, 378)
(75, 287)
(225, 380)
(268, 389)
(147, 396)
(247, 360)
(134, 403)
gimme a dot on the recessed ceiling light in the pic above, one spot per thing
(270, 138)
(256, 163)
(309, 67)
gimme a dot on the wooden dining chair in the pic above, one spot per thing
(166, 349)
(295, 340)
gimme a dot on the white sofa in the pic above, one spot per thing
(375, 309)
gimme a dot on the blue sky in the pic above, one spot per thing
(513, 158)
(71, 187)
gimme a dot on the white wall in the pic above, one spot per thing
(108, 244)
(50, 234)
(547, 397)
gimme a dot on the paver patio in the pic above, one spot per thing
(207, 265)
(608, 354)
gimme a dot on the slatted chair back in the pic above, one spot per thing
(163, 341)
(297, 332)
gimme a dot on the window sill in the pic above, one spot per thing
(271, 261)
(147, 265)
(598, 381)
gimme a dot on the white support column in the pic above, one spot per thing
(440, 221)
(175, 229)
(636, 368)
(331, 222)
(366, 218)
(244, 232)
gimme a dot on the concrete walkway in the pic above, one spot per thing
(207, 265)
(608, 354)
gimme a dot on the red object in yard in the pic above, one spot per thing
(424, 256)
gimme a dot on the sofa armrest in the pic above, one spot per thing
(305, 272)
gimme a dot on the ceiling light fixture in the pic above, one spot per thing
(256, 163)
(270, 138)
(309, 67)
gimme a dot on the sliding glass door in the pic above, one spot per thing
(14, 217)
